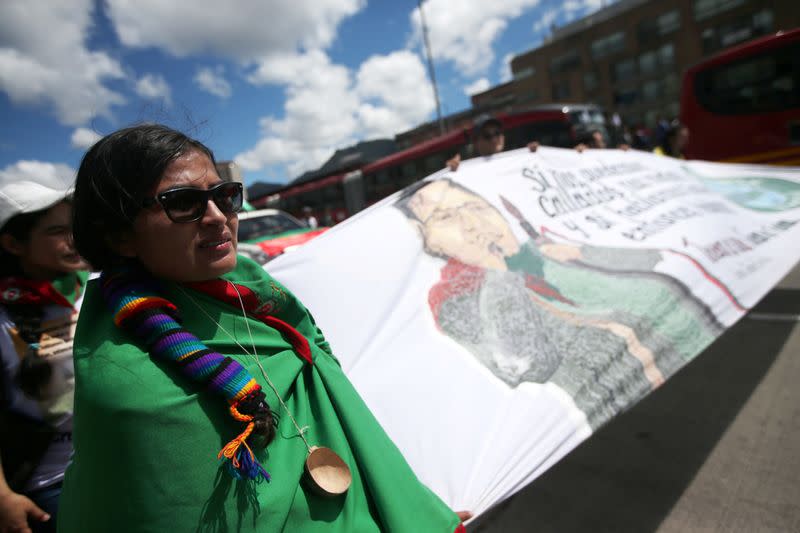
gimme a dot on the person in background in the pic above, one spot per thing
(488, 139)
(641, 139)
(674, 142)
(41, 285)
(309, 218)
(183, 346)
(591, 139)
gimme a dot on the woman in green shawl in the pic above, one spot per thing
(202, 384)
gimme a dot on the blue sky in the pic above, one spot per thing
(276, 86)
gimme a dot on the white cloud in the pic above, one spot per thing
(319, 113)
(241, 29)
(504, 72)
(464, 32)
(154, 87)
(566, 12)
(56, 175)
(396, 93)
(84, 138)
(44, 60)
(478, 86)
(212, 81)
(581, 7)
(546, 21)
(327, 107)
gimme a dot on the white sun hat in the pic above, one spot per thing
(26, 196)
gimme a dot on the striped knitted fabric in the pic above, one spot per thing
(134, 301)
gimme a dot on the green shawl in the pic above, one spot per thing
(146, 438)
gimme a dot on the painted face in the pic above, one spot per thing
(49, 251)
(491, 140)
(185, 251)
(460, 224)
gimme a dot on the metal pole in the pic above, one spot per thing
(430, 67)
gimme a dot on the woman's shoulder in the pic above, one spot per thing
(274, 297)
(95, 326)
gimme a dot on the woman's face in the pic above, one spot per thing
(189, 251)
(49, 252)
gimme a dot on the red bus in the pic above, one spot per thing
(743, 105)
(335, 198)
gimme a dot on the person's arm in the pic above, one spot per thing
(15, 509)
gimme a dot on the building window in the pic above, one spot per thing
(651, 118)
(590, 81)
(528, 95)
(565, 62)
(624, 70)
(626, 97)
(648, 63)
(666, 55)
(608, 45)
(526, 72)
(668, 22)
(561, 90)
(673, 109)
(647, 31)
(740, 29)
(671, 85)
(652, 90)
(708, 8)
(762, 21)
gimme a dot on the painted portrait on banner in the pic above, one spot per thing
(599, 322)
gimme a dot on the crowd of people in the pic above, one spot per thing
(668, 138)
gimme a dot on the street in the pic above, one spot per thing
(716, 449)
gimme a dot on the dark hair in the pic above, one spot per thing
(114, 177)
(19, 226)
(586, 135)
(670, 135)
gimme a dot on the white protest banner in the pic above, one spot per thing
(494, 317)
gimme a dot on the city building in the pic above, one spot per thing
(629, 57)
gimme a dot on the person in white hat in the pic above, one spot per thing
(41, 285)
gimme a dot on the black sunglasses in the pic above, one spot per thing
(187, 204)
(491, 134)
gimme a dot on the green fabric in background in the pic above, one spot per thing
(71, 285)
(146, 439)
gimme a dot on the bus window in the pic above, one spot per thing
(378, 185)
(769, 82)
(741, 104)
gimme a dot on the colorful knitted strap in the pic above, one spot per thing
(134, 300)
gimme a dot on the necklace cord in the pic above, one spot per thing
(253, 356)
